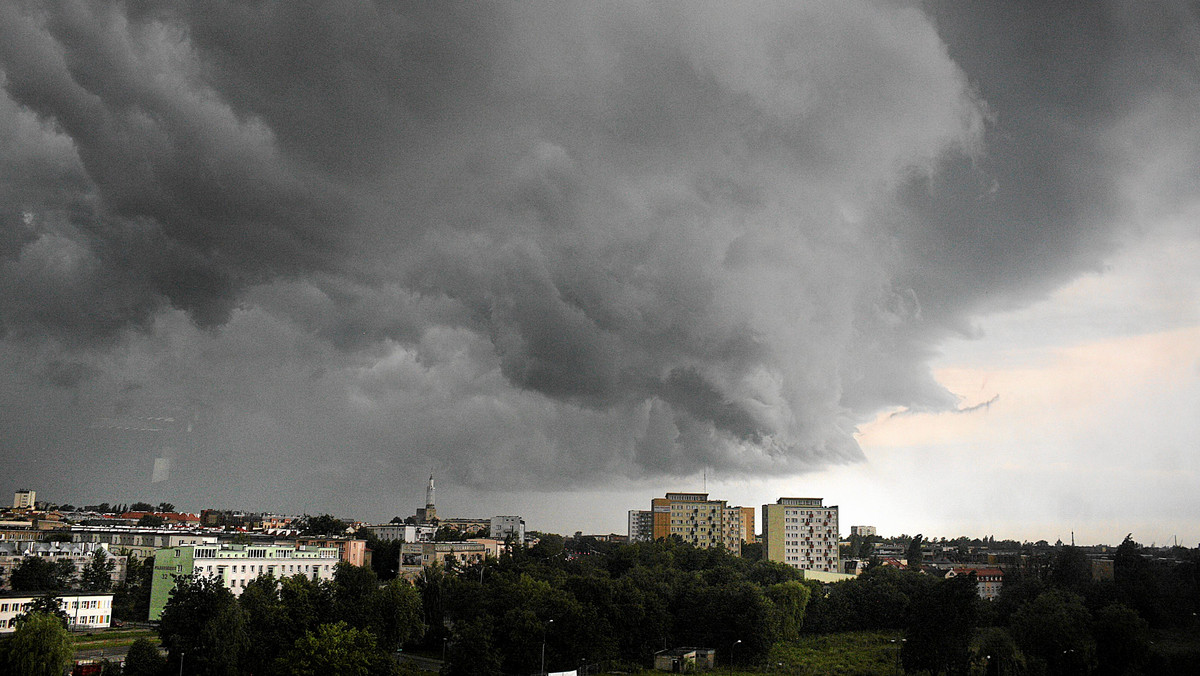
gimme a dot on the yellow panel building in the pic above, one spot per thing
(696, 519)
(803, 533)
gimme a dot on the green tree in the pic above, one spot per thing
(354, 588)
(166, 507)
(203, 627)
(1122, 640)
(151, 521)
(385, 554)
(306, 602)
(144, 659)
(97, 574)
(998, 653)
(471, 650)
(336, 649)
(938, 637)
(131, 597)
(752, 551)
(1055, 630)
(47, 604)
(324, 525)
(1070, 570)
(40, 646)
(35, 573)
(398, 614)
(141, 507)
(267, 627)
(549, 547)
(915, 557)
(790, 600)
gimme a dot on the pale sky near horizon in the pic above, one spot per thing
(936, 262)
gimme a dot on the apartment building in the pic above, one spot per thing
(351, 550)
(140, 542)
(78, 553)
(85, 610)
(415, 556)
(24, 499)
(803, 533)
(504, 527)
(641, 525)
(235, 566)
(696, 519)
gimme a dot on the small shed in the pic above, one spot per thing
(685, 660)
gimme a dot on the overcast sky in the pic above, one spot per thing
(936, 262)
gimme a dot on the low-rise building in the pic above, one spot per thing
(85, 610)
(466, 525)
(19, 531)
(492, 548)
(235, 566)
(350, 550)
(415, 556)
(405, 532)
(504, 527)
(78, 553)
(685, 660)
(140, 542)
(988, 581)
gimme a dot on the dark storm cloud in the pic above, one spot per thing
(535, 243)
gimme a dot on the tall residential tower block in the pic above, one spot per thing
(702, 522)
(803, 533)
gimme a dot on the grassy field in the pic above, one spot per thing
(841, 654)
(112, 638)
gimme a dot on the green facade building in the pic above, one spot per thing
(235, 566)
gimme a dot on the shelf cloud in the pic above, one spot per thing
(535, 244)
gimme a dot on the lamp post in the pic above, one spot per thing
(544, 628)
(899, 646)
(181, 654)
(731, 649)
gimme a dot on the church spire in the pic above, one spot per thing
(429, 493)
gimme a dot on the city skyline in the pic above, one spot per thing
(937, 262)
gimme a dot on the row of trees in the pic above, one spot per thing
(293, 625)
(581, 600)
(35, 574)
(1051, 617)
(119, 508)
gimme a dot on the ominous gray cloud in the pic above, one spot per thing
(533, 244)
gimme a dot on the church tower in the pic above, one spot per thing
(429, 513)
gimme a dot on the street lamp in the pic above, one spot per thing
(544, 628)
(899, 645)
(731, 655)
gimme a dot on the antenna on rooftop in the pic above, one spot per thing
(705, 479)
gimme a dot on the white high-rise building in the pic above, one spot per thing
(641, 525)
(24, 499)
